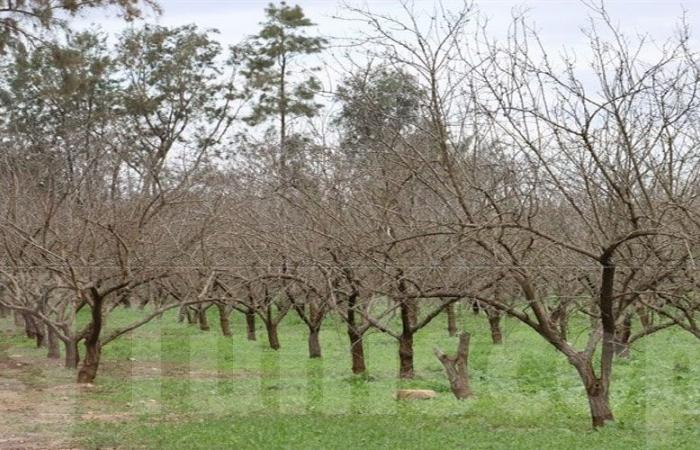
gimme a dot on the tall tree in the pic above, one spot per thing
(284, 89)
(176, 96)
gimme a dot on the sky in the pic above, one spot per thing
(558, 21)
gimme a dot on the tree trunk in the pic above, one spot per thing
(72, 354)
(357, 348)
(596, 391)
(272, 337)
(475, 307)
(495, 325)
(54, 351)
(40, 334)
(250, 323)
(224, 321)
(29, 326)
(19, 320)
(451, 320)
(645, 317)
(406, 356)
(93, 346)
(600, 409)
(91, 361)
(406, 342)
(314, 343)
(191, 315)
(622, 338)
(456, 368)
(357, 351)
(203, 319)
(181, 314)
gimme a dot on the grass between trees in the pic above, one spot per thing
(173, 386)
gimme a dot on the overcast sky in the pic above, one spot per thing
(558, 20)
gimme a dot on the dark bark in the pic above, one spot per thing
(475, 307)
(406, 341)
(272, 337)
(600, 409)
(29, 326)
(93, 346)
(314, 342)
(495, 326)
(250, 323)
(456, 368)
(357, 349)
(451, 320)
(406, 356)
(192, 315)
(224, 321)
(91, 361)
(596, 391)
(202, 318)
(357, 352)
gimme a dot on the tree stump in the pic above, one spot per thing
(456, 367)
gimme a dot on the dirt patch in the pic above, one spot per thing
(32, 417)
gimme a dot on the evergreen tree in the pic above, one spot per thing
(281, 90)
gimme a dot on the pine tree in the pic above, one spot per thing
(280, 89)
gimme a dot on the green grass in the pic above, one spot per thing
(188, 389)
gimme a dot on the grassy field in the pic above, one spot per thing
(172, 386)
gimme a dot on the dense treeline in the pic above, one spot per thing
(164, 171)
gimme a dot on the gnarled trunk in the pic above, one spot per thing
(91, 361)
(93, 346)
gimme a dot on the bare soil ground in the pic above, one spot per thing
(33, 415)
(40, 402)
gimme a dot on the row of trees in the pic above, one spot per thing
(165, 172)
